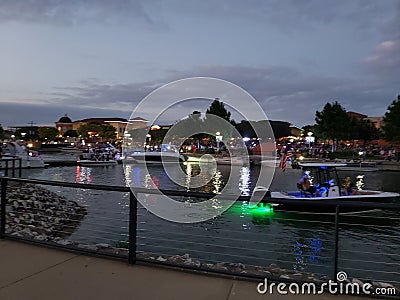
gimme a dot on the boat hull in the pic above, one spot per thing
(318, 205)
(155, 157)
(90, 163)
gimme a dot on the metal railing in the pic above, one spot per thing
(210, 246)
(8, 165)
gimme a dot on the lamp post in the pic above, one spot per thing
(218, 137)
(309, 138)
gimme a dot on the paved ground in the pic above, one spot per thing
(32, 272)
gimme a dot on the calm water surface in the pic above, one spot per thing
(369, 243)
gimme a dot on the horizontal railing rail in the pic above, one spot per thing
(136, 190)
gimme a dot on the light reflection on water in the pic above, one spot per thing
(299, 243)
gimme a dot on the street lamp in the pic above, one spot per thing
(23, 134)
(218, 137)
(310, 138)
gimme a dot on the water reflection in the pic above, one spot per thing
(307, 251)
(244, 181)
(83, 174)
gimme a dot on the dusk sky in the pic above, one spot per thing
(99, 58)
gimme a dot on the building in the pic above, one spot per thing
(64, 125)
(356, 115)
(377, 122)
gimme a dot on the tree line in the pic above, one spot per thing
(331, 123)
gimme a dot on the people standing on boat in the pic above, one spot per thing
(304, 184)
(91, 153)
(349, 186)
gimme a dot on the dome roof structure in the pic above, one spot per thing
(65, 119)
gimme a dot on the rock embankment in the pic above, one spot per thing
(38, 213)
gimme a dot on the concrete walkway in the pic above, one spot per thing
(33, 272)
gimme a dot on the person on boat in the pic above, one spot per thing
(91, 153)
(349, 186)
(304, 184)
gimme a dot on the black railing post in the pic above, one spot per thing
(13, 167)
(20, 167)
(3, 207)
(336, 254)
(6, 168)
(132, 227)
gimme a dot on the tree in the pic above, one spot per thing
(362, 130)
(89, 129)
(1, 132)
(217, 108)
(391, 119)
(47, 133)
(332, 122)
(71, 133)
(27, 133)
(105, 131)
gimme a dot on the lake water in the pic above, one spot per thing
(369, 243)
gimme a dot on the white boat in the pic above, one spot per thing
(326, 186)
(209, 159)
(167, 153)
(29, 158)
(359, 167)
(96, 163)
(71, 150)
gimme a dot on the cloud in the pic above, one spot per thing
(292, 15)
(21, 114)
(384, 61)
(284, 93)
(61, 12)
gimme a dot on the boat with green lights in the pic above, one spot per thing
(325, 185)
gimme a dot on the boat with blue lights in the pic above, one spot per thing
(321, 184)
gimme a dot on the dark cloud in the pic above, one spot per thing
(284, 93)
(21, 114)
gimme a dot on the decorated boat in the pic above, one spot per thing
(164, 153)
(320, 184)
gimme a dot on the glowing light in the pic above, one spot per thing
(30, 145)
(246, 139)
(262, 209)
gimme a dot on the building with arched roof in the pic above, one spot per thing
(64, 124)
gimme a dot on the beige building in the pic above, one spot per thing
(65, 124)
(376, 121)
